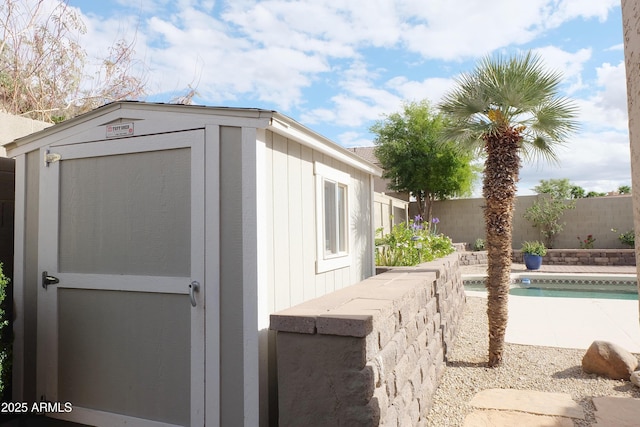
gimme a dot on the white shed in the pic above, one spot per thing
(152, 243)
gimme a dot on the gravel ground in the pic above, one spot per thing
(524, 368)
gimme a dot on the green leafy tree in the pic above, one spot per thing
(509, 109)
(595, 194)
(556, 188)
(409, 150)
(545, 212)
(545, 215)
(624, 189)
(577, 192)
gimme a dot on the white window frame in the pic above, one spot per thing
(327, 261)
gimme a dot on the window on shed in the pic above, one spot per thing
(332, 199)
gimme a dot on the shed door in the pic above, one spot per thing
(122, 229)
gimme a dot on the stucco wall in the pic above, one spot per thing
(370, 354)
(12, 127)
(631, 32)
(463, 221)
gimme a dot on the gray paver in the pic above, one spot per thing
(531, 401)
(617, 411)
(492, 418)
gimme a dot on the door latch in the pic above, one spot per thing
(193, 288)
(49, 280)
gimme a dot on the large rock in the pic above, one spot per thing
(610, 360)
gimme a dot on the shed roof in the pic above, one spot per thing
(191, 117)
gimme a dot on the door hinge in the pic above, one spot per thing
(50, 157)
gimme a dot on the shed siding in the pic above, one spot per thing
(231, 310)
(31, 276)
(280, 238)
(292, 229)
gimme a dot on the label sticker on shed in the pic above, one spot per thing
(120, 129)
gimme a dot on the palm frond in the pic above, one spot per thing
(510, 92)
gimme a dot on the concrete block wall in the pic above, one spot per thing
(370, 354)
(563, 257)
(473, 258)
(584, 257)
(463, 221)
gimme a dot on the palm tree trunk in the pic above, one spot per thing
(499, 189)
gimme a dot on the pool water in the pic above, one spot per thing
(566, 289)
(531, 291)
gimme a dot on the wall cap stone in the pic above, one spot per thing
(352, 311)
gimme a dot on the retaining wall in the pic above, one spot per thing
(584, 257)
(563, 257)
(372, 353)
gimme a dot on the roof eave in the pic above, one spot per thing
(291, 129)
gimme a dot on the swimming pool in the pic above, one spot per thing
(623, 286)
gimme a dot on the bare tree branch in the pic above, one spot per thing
(43, 67)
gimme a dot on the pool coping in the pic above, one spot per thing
(553, 278)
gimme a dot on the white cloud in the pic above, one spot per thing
(431, 88)
(360, 100)
(613, 79)
(478, 27)
(606, 108)
(571, 65)
(254, 48)
(354, 139)
(340, 24)
(596, 161)
(570, 9)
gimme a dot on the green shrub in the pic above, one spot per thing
(628, 238)
(534, 248)
(478, 245)
(545, 214)
(587, 243)
(411, 244)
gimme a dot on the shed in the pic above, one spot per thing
(152, 243)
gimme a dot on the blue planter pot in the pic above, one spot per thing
(533, 262)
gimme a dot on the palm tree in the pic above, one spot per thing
(509, 110)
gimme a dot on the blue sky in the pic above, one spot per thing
(337, 67)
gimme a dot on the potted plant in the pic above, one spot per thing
(533, 251)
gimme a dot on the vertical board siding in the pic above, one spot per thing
(280, 223)
(231, 279)
(291, 183)
(308, 223)
(323, 282)
(31, 274)
(269, 220)
(296, 268)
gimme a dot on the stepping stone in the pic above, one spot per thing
(535, 402)
(616, 411)
(493, 418)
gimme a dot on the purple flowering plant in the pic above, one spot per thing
(412, 243)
